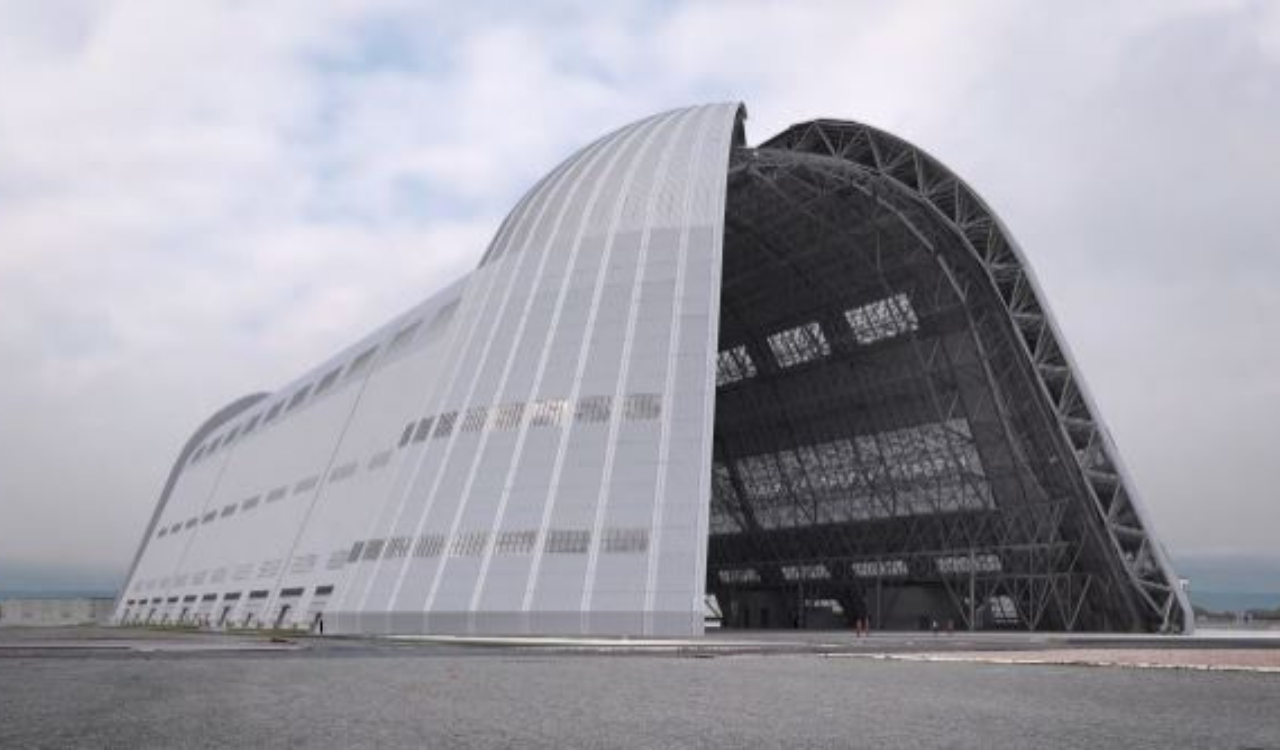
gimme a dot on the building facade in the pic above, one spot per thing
(813, 376)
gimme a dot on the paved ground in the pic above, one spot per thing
(112, 688)
(1239, 659)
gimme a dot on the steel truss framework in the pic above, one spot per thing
(899, 429)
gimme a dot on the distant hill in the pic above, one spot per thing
(1231, 583)
(1230, 573)
(1234, 601)
(23, 577)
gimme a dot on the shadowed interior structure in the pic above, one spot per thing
(886, 445)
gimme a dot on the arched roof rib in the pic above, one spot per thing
(990, 244)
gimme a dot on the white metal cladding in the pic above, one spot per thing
(527, 451)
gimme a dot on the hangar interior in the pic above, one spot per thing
(883, 448)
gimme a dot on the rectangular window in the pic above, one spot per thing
(249, 504)
(174, 529)
(231, 597)
(398, 547)
(406, 435)
(208, 597)
(626, 540)
(162, 533)
(306, 485)
(882, 319)
(476, 417)
(516, 542)
(803, 343)
(733, 365)
(879, 568)
(356, 550)
(549, 412)
(277, 494)
(260, 594)
(509, 416)
(302, 564)
(429, 545)
(291, 592)
(209, 517)
(642, 407)
(228, 509)
(324, 590)
(379, 460)
(444, 425)
(816, 572)
(424, 429)
(568, 541)
(345, 471)
(470, 544)
(373, 549)
(985, 563)
(593, 409)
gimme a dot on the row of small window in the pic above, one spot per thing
(879, 320)
(552, 412)
(337, 474)
(359, 365)
(620, 540)
(637, 407)
(629, 540)
(945, 565)
(230, 596)
(245, 506)
(299, 565)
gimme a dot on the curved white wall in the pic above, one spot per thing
(567, 493)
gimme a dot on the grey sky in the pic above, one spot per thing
(198, 200)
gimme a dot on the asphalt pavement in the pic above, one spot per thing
(59, 689)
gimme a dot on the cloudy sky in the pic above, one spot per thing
(201, 199)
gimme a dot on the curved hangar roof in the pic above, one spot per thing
(578, 436)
